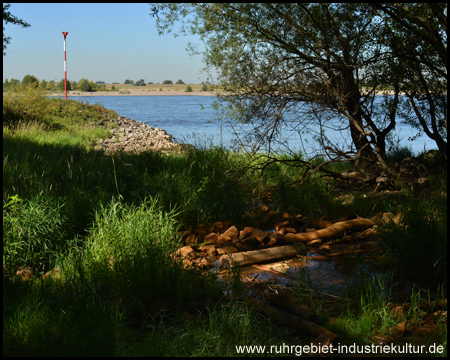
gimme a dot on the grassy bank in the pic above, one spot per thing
(97, 235)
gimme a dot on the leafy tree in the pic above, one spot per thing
(6, 85)
(127, 81)
(167, 82)
(30, 79)
(9, 18)
(51, 85)
(43, 84)
(180, 82)
(61, 85)
(416, 34)
(80, 82)
(73, 85)
(140, 82)
(85, 85)
(272, 57)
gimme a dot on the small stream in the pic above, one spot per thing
(336, 276)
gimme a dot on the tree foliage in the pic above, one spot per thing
(84, 85)
(9, 18)
(30, 79)
(333, 57)
(61, 85)
(416, 34)
(140, 82)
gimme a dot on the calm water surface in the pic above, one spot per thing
(193, 120)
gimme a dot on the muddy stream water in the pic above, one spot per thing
(327, 276)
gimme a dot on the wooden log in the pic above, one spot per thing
(292, 320)
(331, 231)
(261, 256)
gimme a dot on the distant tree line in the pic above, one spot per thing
(52, 85)
(141, 82)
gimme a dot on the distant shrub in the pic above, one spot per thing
(24, 104)
(397, 154)
(204, 87)
(188, 89)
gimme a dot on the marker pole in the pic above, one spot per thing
(65, 66)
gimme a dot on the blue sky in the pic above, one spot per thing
(106, 42)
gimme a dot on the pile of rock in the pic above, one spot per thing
(134, 136)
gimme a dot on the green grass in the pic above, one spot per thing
(109, 225)
(100, 304)
(418, 242)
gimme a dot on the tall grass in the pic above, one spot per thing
(418, 242)
(100, 305)
(34, 233)
(85, 178)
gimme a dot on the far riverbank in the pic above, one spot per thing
(134, 92)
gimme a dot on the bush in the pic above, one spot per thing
(397, 154)
(27, 104)
(188, 89)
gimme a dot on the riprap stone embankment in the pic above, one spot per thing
(134, 136)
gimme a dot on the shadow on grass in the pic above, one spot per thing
(85, 179)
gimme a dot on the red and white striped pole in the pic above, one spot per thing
(65, 66)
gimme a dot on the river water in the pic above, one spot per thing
(192, 119)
